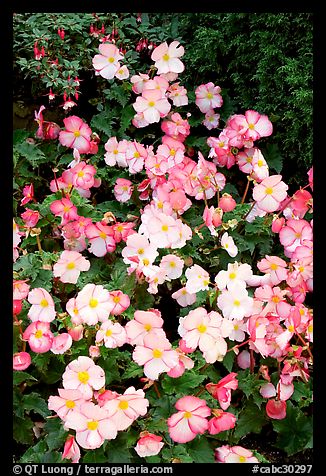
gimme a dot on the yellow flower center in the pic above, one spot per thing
(77, 134)
(102, 235)
(274, 266)
(111, 60)
(115, 151)
(157, 353)
(159, 204)
(269, 191)
(140, 251)
(70, 404)
(108, 333)
(187, 415)
(291, 328)
(202, 328)
(147, 327)
(66, 209)
(75, 310)
(38, 334)
(151, 103)
(251, 126)
(301, 269)
(172, 264)
(221, 144)
(209, 96)
(116, 299)
(242, 459)
(44, 303)
(206, 282)
(226, 245)
(260, 163)
(236, 302)
(83, 377)
(123, 405)
(310, 328)
(80, 173)
(92, 425)
(93, 303)
(71, 265)
(275, 299)
(120, 228)
(249, 159)
(172, 152)
(166, 57)
(232, 275)
(236, 327)
(145, 262)
(136, 155)
(165, 228)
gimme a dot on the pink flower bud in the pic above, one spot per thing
(21, 360)
(94, 351)
(243, 360)
(276, 409)
(184, 348)
(71, 450)
(61, 343)
(17, 306)
(278, 224)
(76, 332)
(148, 444)
(227, 202)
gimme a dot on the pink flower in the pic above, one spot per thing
(178, 95)
(65, 209)
(190, 420)
(136, 155)
(238, 454)
(295, 233)
(197, 279)
(77, 134)
(144, 323)
(123, 189)
(270, 192)
(139, 252)
(275, 266)
(173, 265)
(71, 450)
(82, 374)
(148, 444)
(124, 409)
(222, 390)
(107, 63)
(184, 363)
(28, 193)
(235, 303)
(39, 336)
(156, 355)
(61, 343)
(184, 298)
(65, 402)
(42, 305)
(222, 421)
(227, 203)
(21, 360)
(112, 333)
(138, 82)
(94, 304)
(208, 97)
(92, 425)
(236, 273)
(101, 239)
(30, 217)
(83, 175)
(256, 125)
(212, 218)
(310, 178)
(115, 152)
(166, 57)
(276, 409)
(20, 289)
(69, 266)
(76, 332)
(227, 243)
(120, 301)
(94, 351)
(243, 360)
(152, 105)
(212, 119)
(122, 73)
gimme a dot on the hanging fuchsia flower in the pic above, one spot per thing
(77, 134)
(190, 420)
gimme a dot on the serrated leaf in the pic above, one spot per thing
(184, 384)
(56, 434)
(32, 455)
(250, 420)
(33, 402)
(23, 430)
(273, 157)
(200, 450)
(228, 360)
(20, 377)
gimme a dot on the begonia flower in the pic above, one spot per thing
(190, 420)
(39, 336)
(69, 266)
(124, 409)
(42, 305)
(148, 444)
(77, 134)
(82, 374)
(166, 57)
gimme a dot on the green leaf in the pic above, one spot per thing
(273, 157)
(34, 402)
(117, 452)
(32, 153)
(95, 456)
(250, 420)
(20, 377)
(200, 450)
(23, 430)
(295, 432)
(184, 384)
(33, 454)
(56, 434)
(229, 360)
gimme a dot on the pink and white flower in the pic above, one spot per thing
(42, 305)
(94, 304)
(120, 301)
(184, 298)
(69, 266)
(123, 189)
(166, 57)
(77, 134)
(222, 421)
(112, 334)
(173, 265)
(235, 303)
(61, 343)
(124, 409)
(82, 374)
(156, 355)
(106, 64)
(197, 279)
(71, 450)
(270, 192)
(65, 402)
(208, 97)
(39, 336)
(100, 238)
(92, 424)
(144, 323)
(21, 360)
(236, 273)
(190, 420)
(148, 444)
(222, 390)
(227, 243)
